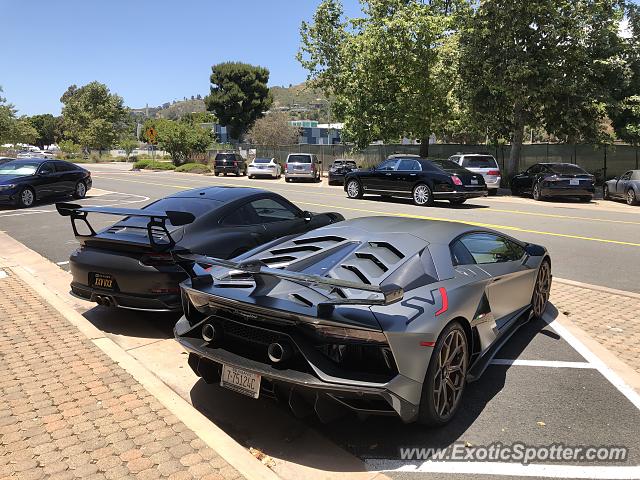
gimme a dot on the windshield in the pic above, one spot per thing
(20, 169)
(567, 169)
(197, 206)
(479, 162)
(299, 159)
(262, 160)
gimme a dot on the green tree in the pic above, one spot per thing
(45, 125)
(549, 63)
(93, 116)
(69, 148)
(7, 119)
(239, 95)
(390, 71)
(128, 144)
(182, 140)
(274, 129)
(23, 132)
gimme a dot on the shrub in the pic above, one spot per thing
(193, 168)
(152, 165)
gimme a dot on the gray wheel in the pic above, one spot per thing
(605, 193)
(537, 194)
(354, 189)
(631, 197)
(80, 190)
(422, 195)
(26, 198)
(446, 377)
(541, 290)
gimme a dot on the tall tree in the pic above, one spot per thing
(552, 63)
(239, 95)
(7, 119)
(274, 129)
(391, 70)
(45, 125)
(93, 116)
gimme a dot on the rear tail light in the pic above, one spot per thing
(155, 259)
(235, 164)
(493, 172)
(456, 180)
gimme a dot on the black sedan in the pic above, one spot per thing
(130, 264)
(544, 180)
(339, 168)
(24, 181)
(413, 177)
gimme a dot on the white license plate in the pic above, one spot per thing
(574, 181)
(474, 181)
(240, 381)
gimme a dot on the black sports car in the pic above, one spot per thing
(413, 177)
(339, 168)
(24, 181)
(544, 180)
(130, 263)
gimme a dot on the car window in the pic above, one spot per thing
(244, 215)
(46, 168)
(480, 161)
(626, 176)
(455, 158)
(269, 210)
(262, 160)
(446, 164)
(460, 255)
(635, 175)
(299, 159)
(388, 165)
(535, 169)
(491, 248)
(225, 156)
(567, 169)
(409, 165)
(65, 167)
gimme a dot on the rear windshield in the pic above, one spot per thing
(197, 206)
(299, 159)
(446, 164)
(340, 163)
(262, 160)
(479, 162)
(567, 169)
(225, 156)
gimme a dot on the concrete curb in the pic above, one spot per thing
(598, 288)
(212, 435)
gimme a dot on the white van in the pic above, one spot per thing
(481, 163)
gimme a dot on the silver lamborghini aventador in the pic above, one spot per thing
(378, 315)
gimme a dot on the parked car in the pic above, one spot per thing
(229, 162)
(378, 315)
(544, 180)
(481, 163)
(130, 264)
(413, 177)
(6, 159)
(339, 168)
(26, 154)
(265, 167)
(626, 187)
(302, 166)
(24, 181)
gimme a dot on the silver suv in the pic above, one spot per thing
(481, 163)
(302, 165)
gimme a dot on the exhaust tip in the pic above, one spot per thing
(279, 352)
(208, 332)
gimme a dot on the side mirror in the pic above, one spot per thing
(307, 216)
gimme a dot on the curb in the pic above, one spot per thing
(598, 288)
(239, 458)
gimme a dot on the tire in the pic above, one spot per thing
(631, 197)
(422, 195)
(354, 189)
(26, 198)
(217, 174)
(493, 192)
(287, 179)
(445, 380)
(541, 289)
(605, 193)
(225, 174)
(536, 193)
(80, 191)
(250, 177)
(457, 201)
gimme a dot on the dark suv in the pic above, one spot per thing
(229, 162)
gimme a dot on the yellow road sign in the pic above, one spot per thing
(151, 134)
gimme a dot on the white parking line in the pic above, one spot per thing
(541, 363)
(19, 213)
(510, 469)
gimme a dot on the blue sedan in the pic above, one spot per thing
(24, 181)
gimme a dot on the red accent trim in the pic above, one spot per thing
(427, 344)
(445, 301)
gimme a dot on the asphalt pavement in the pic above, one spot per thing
(544, 387)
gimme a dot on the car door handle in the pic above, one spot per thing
(388, 174)
(412, 174)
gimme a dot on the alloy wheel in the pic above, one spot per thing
(536, 192)
(451, 373)
(422, 195)
(27, 197)
(631, 197)
(81, 190)
(353, 189)
(541, 290)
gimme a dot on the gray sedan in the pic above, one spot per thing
(626, 187)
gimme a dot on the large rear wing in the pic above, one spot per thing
(157, 220)
(266, 277)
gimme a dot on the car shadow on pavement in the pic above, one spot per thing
(438, 204)
(272, 427)
(130, 323)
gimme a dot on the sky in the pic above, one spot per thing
(145, 51)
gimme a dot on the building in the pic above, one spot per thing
(314, 133)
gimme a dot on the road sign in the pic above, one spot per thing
(151, 134)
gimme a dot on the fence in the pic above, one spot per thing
(603, 161)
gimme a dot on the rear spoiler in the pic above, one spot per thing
(157, 219)
(264, 277)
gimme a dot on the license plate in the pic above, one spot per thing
(240, 381)
(474, 181)
(298, 168)
(574, 181)
(102, 280)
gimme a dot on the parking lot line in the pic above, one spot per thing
(508, 469)
(541, 363)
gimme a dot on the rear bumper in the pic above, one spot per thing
(567, 191)
(300, 175)
(257, 172)
(492, 182)
(163, 303)
(301, 389)
(459, 195)
(337, 178)
(227, 169)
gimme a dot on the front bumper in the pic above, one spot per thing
(9, 195)
(303, 390)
